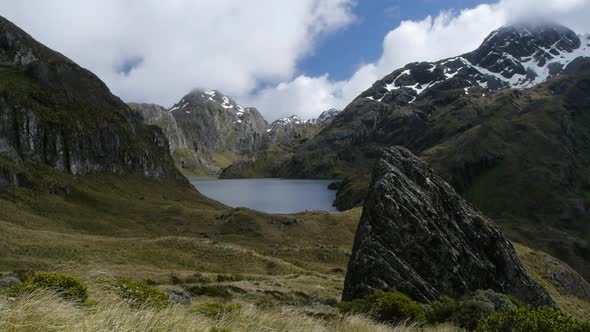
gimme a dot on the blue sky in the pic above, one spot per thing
(339, 54)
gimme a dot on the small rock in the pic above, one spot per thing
(179, 296)
(6, 282)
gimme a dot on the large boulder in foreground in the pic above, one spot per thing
(419, 237)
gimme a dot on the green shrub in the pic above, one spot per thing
(229, 277)
(137, 293)
(469, 309)
(217, 310)
(65, 286)
(389, 306)
(442, 310)
(531, 319)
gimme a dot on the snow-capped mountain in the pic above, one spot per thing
(200, 99)
(516, 56)
(215, 125)
(292, 120)
(295, 120)
(328, 115)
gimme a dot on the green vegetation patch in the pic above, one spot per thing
(531, 319)
(469, 309)
(65, 286)
(385, 306)
(139, 294)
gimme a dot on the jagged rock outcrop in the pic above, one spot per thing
(54, 112)
(159, 116)
(418, 236)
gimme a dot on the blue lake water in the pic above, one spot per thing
(269, 195)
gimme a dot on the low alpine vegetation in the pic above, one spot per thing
(385, 306)
(469, 309)
(531, 319)
(139, 294)
(67, 287)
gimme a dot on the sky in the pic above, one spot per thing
(284, 57)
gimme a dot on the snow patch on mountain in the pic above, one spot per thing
(519, 56)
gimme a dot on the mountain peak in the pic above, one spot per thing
(291, 120)
(206, 98)
(515, 56)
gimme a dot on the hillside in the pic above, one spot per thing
(512, 143)
(54, 113)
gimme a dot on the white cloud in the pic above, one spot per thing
(234, 46)
(433, 38)
(177, 45)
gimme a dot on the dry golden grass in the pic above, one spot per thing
(43, 311)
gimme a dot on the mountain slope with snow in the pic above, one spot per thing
(218, 131)
(517, 56)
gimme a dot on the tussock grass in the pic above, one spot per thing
(44, 311)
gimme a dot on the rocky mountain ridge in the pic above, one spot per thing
(55, 113)
(208, 130)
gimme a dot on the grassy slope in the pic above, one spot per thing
(150, 230)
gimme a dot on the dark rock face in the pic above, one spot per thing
(418, 236)
(159, 116)
(56, 113)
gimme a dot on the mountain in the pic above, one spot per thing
(512, 145)
(57, 114)
(208, 132)
(518, 56)
(217, 130)
(280, 140)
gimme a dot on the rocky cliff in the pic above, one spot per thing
(56, 113)
(418, 236)
(157, 115)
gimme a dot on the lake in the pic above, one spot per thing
(269, 195)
